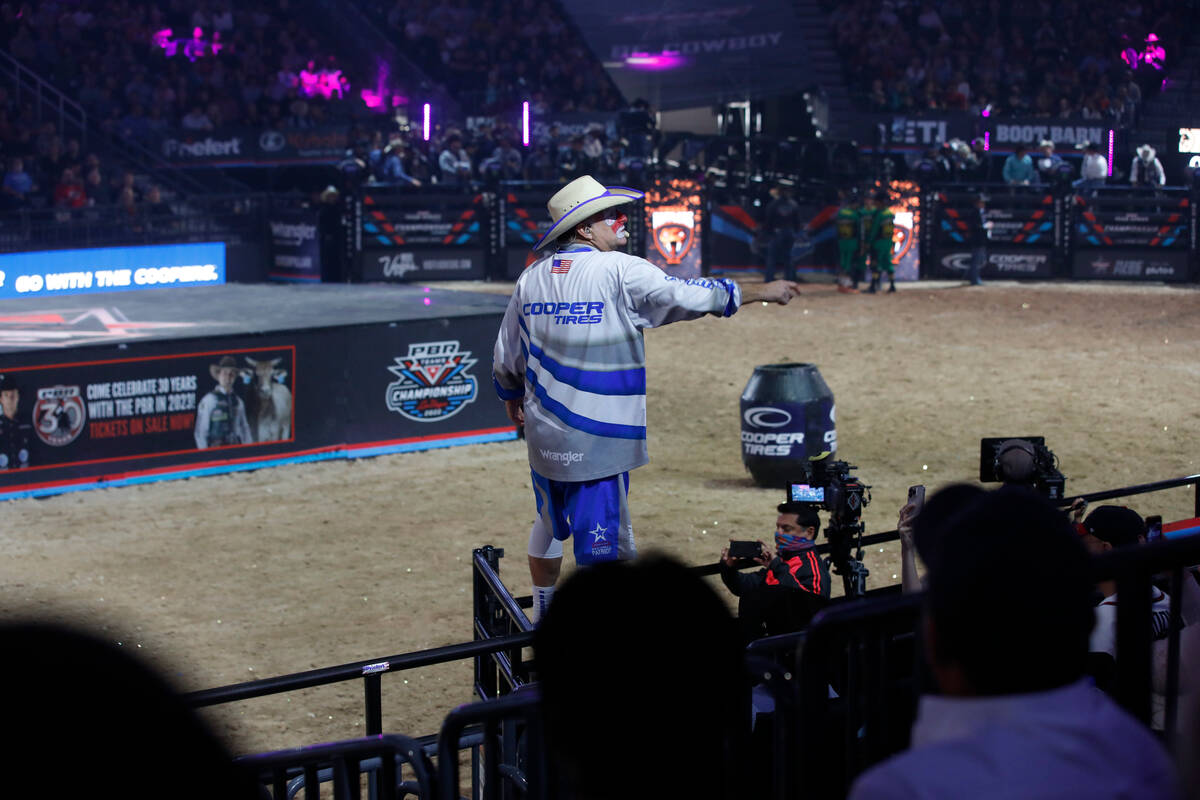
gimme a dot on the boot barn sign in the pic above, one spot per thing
(1010, 133)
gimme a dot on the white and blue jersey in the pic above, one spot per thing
(571, 345)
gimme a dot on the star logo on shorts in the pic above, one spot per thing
(598, 534)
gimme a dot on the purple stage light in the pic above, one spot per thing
(1111, 137)
(987, 141)
(655, 62)
(425, 124)
(525, 123)
(323, 82)
(1153, 54)
(193, 48)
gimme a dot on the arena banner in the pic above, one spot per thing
(694, 54)
(1157, 221)
(1124, 264)
(108, 410)
(419, 381)
(1028, 218)
(89, 417)
(1003, 262)
(295, 246)
(1005, 133)
(407, 264)
(237, 147)
(408, 237)
(571, 123)
(111, 269)
(925, 130)
(673, 211)
(523, 220)
(393, 218)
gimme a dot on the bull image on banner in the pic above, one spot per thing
(135, 408)
(674, 217)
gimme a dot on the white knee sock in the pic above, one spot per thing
(541, 601)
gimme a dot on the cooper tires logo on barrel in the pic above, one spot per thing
(766, 417)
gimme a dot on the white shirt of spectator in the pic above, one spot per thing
(1069, 742)
(1104, 635)
(1095, 167)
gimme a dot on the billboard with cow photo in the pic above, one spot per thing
(116, 410)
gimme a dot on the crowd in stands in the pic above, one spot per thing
(1046, 58)
(141, 68)
(45, 171)
(464, 158)
(493, 55)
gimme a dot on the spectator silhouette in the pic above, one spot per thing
(84, 712)
(1007, 621)
(644, 693)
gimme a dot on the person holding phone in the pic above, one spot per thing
(793, 584)
(910, 581)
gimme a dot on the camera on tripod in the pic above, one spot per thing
(829, 486)
(1021, 460)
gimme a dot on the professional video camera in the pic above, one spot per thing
(829, 486)
(1021, 460)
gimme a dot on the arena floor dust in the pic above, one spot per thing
(226, 579)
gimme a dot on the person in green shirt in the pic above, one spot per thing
(879, 225)
(848, 223)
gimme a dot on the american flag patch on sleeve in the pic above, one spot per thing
(560, 266)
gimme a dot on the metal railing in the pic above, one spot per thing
(73, 119)
(69, 115)
(380, 758)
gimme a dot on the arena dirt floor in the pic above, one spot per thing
(226, 579)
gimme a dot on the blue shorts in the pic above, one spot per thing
(594, 513)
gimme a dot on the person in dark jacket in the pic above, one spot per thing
(793, 584)
(781, 221)
(978, 231)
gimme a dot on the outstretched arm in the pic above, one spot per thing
(780, 292)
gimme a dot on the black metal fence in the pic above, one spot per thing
(845, 690)
(393, 766)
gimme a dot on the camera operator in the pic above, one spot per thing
(793, 584)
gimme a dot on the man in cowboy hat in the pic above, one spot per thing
(1147, 171)
(221, 414)
(570, 366)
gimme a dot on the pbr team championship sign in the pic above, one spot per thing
(407, 238)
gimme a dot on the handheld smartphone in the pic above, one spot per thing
(916, 496)
(1153, 528)
(744, 549)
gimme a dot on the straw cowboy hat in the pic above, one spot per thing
(580, 199)
(1146, 152)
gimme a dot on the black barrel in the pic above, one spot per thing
(787, 420)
